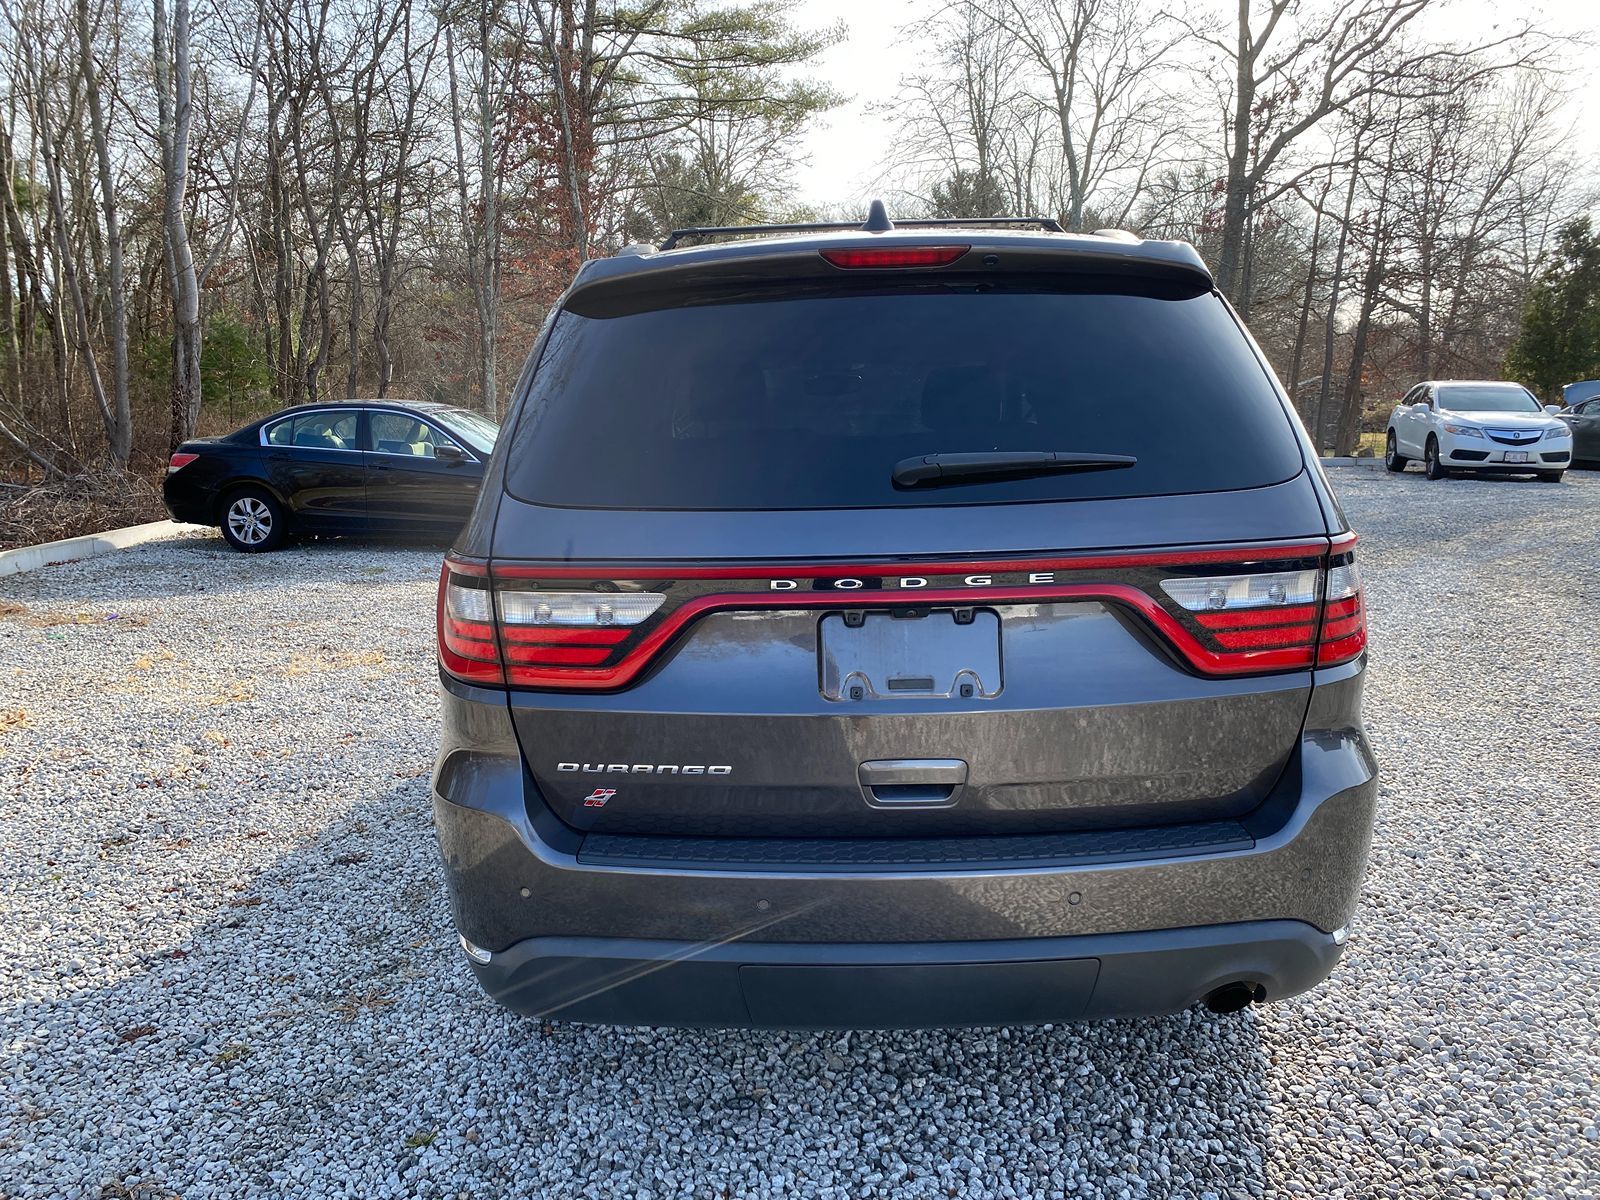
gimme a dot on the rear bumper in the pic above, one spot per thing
(902, 985)
(734, 943)
(187, 505)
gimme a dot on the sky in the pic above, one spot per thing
(847, 150)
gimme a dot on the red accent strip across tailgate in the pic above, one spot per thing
(622, 673)
(1084, 562)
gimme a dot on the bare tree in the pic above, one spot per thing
(1101, 61)
(1297, 63)
(174, 91)
(959, 121)
(118, 412)
(478, 183)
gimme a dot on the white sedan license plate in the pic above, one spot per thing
(1516, 456)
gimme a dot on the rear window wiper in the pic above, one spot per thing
(934, 470)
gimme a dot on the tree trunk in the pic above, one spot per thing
(1305, 306)
(119, 420)
(1371, 290)
(1236, 202)
(13, 309)
(1330, 328)
(482, 245)
(173, 92)
(1349, 430)
(489, 182)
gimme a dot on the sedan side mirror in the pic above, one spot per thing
(1554, 409)
(452, 455)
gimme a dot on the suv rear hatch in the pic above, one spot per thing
(720, 614)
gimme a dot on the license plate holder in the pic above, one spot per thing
(916, 654)
(1516, 456)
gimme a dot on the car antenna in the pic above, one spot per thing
(878, 219)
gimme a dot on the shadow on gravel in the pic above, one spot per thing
(318, 1034)
(1412, 475)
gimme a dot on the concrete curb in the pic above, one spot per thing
(1352, 462)
(92, 545)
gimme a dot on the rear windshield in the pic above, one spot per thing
(810, 402)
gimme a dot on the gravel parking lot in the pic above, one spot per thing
(226, 967)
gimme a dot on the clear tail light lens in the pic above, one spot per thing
(1230, 593)
(593, 609)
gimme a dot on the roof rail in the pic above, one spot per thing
(877, 222)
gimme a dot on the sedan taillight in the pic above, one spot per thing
(180, 460)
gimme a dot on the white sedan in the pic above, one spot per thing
(1471, 425)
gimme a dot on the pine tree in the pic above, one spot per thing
(1560, 337)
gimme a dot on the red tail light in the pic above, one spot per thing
(468, 642)
(1225, 611)
(1313, 616)
(895, 256)
(179, 461)
(1344, 610)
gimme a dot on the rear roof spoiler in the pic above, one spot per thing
(796, 265)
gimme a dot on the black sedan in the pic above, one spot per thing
(346, 467)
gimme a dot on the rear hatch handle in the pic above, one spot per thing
(912, 782)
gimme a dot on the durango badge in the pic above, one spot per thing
(643, 769)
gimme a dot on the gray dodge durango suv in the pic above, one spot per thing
(900, 625)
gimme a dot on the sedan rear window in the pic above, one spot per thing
(317, 431)
(811, 402)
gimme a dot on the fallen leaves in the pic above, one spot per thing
(326, 660)
(234, 692)
(21, 614)
(354, 1004)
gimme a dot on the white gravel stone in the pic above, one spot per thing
(227, 969)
